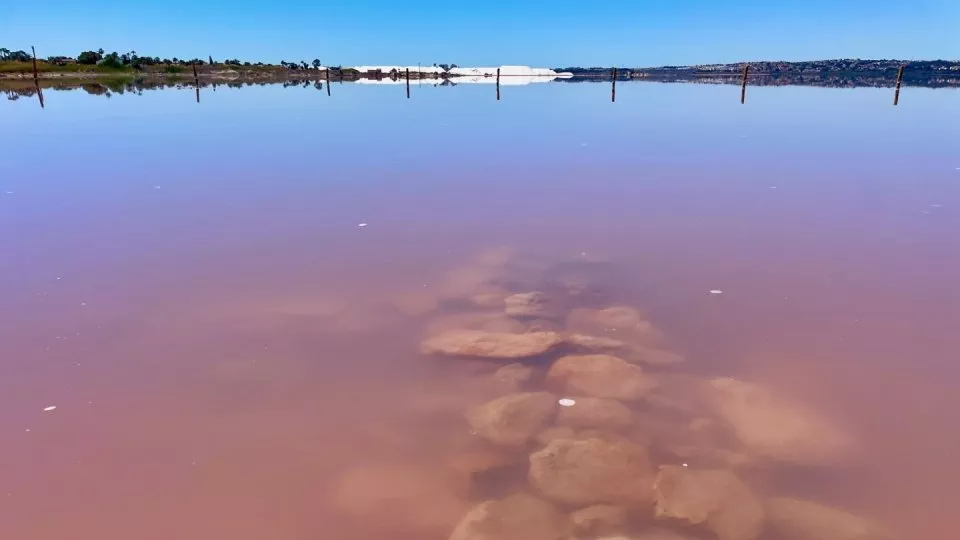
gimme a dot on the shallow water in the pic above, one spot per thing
(232, 356)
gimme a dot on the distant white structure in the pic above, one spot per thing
(505, 71)
(429, 69)
(401, 69)
(382, 69)
(509, 75)
(511, 80)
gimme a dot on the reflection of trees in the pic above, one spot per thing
(94, 89)
(116, 85)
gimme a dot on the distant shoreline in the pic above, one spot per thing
(822, 73)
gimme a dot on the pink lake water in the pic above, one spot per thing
(231, 355)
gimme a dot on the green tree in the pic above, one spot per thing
(316, 63)
(89, 57)
(4, 53)
(112, 60)
(19, 56)
(210, 58)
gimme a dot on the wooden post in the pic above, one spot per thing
(896, 94)
(498, 84)
(328, 81)
(40, 94)
(196, 80)
(613, 86)
(408, 83)
(35, 77)
(743, 85)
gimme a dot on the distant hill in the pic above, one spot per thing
(843, 72)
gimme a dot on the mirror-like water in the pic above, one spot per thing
(226, 304)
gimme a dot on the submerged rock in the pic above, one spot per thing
(653, 357)
(594, 343)
(635, 354)
(599, 519)
(517, 517)
(797, 519)
(491, 344)
(515, 419)
(593, 471)
(620, 322)
(596, 413)
(513, 375)
(551, 434)
(543, 325)
(489, 299)
(599, 375)
(773, 428)
(716, 499)
(709, 456)
(533, 305)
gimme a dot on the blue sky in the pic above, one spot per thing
(556, 33)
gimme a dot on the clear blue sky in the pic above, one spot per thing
(478, 32)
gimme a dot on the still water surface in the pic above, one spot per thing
(231, 355)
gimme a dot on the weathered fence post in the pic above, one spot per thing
(498, 84)
(35, 76)
(196, 80)
(408, 83)
(743, 85)
(328, 81)
(613, 86)
(39, 93)
(896, 94)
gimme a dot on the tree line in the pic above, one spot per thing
(132, 59)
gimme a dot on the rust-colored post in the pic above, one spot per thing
(613, 86)
(743, 85)
(896, 94)
(328, 80)
(498, 84)
(35, 77)
(408, 83)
